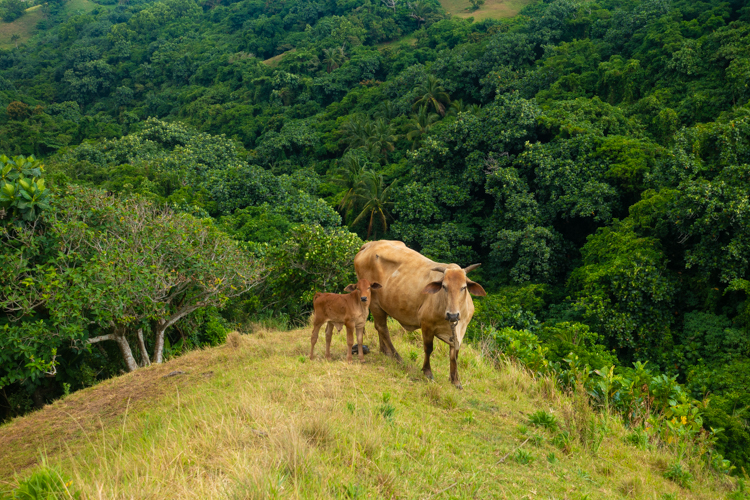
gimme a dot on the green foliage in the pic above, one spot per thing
(12, 10)
(23, 194)
(46, 483)
(311, 260)
(544, 419)
(679, 474)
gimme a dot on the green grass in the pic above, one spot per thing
(25, 26)
(492, 9)
(257, 419)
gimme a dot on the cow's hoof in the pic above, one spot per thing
(365, 349)
(429, 375)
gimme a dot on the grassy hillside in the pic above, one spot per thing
(492, 9)
(257, 419)
(25, 26)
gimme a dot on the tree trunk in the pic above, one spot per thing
(127, 354)
(161, 327)
(142, 346)
(159, 346)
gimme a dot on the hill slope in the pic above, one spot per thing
(256, 419)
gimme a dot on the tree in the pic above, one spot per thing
(17, 110)
(431, 93)
(419, 11)
(98, 268)
(376, 198)
(13, 9)
(14, 38)
(475, 4)
(420, 124)
(349, 175)
(382, 138)
(333, 58)
(313, 259)
(391, 4)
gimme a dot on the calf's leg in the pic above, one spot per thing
(349, 341)
(360, 339)
(329, 336)
(428, 340)
(314, 339)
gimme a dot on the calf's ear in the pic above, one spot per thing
(475, 288)
(376, 286)
(350, 288)
(433, 287)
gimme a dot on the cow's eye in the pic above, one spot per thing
(445, 287)
(464, 288)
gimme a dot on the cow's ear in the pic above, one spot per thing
(376, 286)
(433, 287)
(475, 288)
(350, 288)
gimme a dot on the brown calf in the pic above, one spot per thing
(349, 309)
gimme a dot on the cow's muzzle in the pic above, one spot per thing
(452, 316)
(364, 299)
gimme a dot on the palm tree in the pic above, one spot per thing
(382, 138)
(419, 11)
(357, 132)
(349, 174)
(377, 201)
(419, 124)
(431, 93)
(334, 58)
(387, 111)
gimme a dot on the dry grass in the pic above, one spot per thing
(256, 419)
(275, 60)
(492, 9)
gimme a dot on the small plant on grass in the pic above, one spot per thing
(386, 408)
(638, 438)
(46, 483)
(475, 4)
(563, 441)
(679, 474)
(523, 457)
(552, 458)
(450, 402)
(350, 407)
(413, 355)
(544, 419)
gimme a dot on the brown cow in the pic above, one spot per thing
(418, 293)
(349, 309)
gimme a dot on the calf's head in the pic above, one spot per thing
(455, 285)
(363, 288)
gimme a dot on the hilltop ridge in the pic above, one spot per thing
(256, 418)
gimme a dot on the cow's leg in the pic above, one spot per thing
(427, 339)
(329, 336)
(454, 368)
(349, 341)
(314, 338)
(380, 319)
(360, 340)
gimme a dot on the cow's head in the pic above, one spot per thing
(363, 288)
(455, 285)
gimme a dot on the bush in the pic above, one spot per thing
(313, 259)
(45, 484)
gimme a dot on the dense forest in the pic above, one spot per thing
(198, 166)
